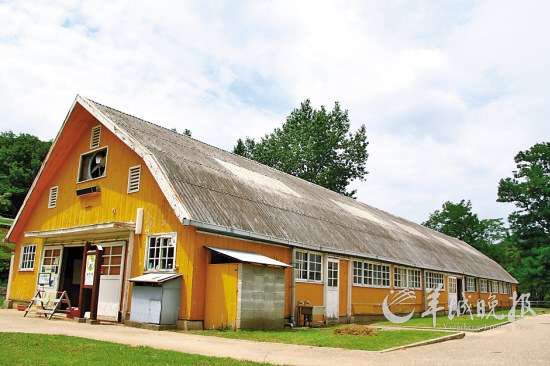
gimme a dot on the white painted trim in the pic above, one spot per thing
(174, 237)
(130, 251)
(53, 196)
(22, 254)
(130, 181)
(92, 135)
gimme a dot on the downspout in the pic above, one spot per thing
(293, 288)
(10, 274)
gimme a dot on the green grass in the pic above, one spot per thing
(324, 337)
(39, 349)
(462, 322)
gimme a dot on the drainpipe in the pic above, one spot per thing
(9, 279)
(293, 289)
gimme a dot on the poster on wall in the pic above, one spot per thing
(44, 279)
(90, 269)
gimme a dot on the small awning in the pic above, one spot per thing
(248, 257)
(108, 227)
(155, 277)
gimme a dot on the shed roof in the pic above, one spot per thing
(219, 191)
(248, 257)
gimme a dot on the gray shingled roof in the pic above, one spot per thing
(223, 190)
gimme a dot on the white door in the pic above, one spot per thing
(453, 298)
(50, 267)
(110, 283)
(333, 295)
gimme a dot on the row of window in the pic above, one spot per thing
(161, 255)
(308, 267)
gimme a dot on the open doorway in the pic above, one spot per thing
(71, 272)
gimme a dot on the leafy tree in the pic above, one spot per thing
(315, 145)
(458, 220)
(20, 159)
(529, 190)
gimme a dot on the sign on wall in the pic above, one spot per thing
(90, 270)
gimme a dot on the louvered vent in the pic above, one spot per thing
(52, 202)
(96, 135)
(134, 177)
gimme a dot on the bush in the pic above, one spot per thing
(355, 329)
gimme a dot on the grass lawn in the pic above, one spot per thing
(29, 349)
(324, 337)
(462, 322)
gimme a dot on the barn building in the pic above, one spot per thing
(247, 242)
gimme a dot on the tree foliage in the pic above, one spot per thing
(20, 159)
(458, 220)
(315, 145)
(529, 190)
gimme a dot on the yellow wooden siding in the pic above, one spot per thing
(221, 296)
(279, 253)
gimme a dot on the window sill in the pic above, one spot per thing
(371, 286)
(312, 282)
(26, 269)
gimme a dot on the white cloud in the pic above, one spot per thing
(449, 92)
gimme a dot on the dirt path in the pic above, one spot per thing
(525, 342)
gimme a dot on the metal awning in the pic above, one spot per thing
(155, 277)
(248, 257)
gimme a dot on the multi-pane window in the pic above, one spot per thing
(452, 285)
(470, 284)
(308, 266)
(373, 274)
(494, 287)
(357, 273)
(112, 260)
(406, 278)
(161, 253)
(28, 254)
(332, 274)
(433, 279)
(483, 286)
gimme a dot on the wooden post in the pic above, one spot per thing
(81, 300)
(95, 287)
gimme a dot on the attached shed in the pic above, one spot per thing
(244, 291)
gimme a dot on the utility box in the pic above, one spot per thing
(156, 298)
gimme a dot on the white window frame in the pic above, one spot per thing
(308, 266)
(91, 153)
(28, 257)
(54, 195)
(470, 284)
(131, 174)
(410, 278)
(493, 287)
(483, 286)
(432, 279)
(171, 242)
(374, 274)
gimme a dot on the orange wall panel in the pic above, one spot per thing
(343, 287)
(221, 296)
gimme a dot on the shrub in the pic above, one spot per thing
(355, 329)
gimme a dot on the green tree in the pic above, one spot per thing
(20, 159)
(315, 145)
(458, 220)
(529, 190)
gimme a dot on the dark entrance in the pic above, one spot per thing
(71, 272)
(459, 290)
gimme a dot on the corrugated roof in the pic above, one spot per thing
(214, 188)
(248, 257)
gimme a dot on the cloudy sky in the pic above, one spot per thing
(449, 91)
